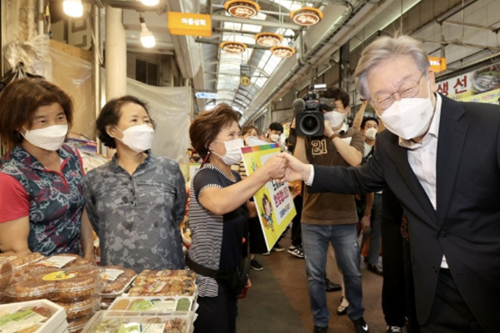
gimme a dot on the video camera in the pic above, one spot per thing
(309, 119)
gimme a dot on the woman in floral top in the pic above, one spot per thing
(137, 201)
(41, 179)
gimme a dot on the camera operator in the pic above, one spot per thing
(331, 218)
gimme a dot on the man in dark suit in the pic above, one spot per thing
(442, 160)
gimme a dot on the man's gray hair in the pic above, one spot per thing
(383, 49)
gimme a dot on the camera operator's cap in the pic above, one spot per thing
(327, 104)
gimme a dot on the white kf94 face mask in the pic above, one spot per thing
(409, 118)
(48, 138)
(138, 138)
(371, 133)
(335, 118)
(233, 151)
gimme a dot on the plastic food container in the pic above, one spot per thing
(83, 308)
(165, 288)
(114, 322)
(43, 316)
(30, 290)
(147, 276)
(6, 269)
(63, 286)
(116, 280)
(77, 325)
(21, 260)
(64, 261)
(154, 304)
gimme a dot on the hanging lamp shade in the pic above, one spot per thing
(283, 51)
(268, 39)
(242, 8)
(306, 16)
(233, 47)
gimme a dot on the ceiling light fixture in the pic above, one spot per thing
(268, 39)
(242, 8)
(306, 16)
(147, 38)
(283, 51)
(150, 2)
(73, 8)
(233, 47)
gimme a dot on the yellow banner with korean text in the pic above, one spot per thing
(274, 201)
(189, 24)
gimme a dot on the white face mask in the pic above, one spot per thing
(250, 139)
(48, 138)
(275, 137)
(138, 138)
(371, 133)
(335, 118)
(233, 151)
(409, 118)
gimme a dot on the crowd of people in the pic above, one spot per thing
(427, 186)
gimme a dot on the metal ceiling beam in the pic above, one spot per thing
(458, 43)
(471, 25)
(263, 23)
(243, 32)
(215, 42)
(260, 70)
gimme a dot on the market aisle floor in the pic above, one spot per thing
(278, 302)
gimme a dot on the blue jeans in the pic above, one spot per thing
(315, 239)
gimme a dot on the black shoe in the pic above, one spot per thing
(360, 325)
(377, 269)
(330, 286)
(256, 265)
(394, 329)
(319, 329)
(342, 310)
(278, 248)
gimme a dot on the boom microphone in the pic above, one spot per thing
(298, 106)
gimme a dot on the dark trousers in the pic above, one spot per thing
(398, 299)
(449, 312)
(296, 222)
(216, 314)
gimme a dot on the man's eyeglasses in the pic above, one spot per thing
(408, 89)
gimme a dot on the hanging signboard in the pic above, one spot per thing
(245, 74)
(188, 24)
(437, 64)
(274, 201)
(482, 85)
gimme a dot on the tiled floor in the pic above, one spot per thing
(289, 274)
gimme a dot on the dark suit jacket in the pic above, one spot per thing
(466, 225)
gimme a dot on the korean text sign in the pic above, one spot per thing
(274, 201)
(188, 24)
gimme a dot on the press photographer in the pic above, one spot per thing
(329, 217)
(309, 111)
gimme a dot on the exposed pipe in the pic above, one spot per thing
(115, 45)
(40, 16)
(446, 16)
(96, 48)
(347, 16)
(264, 23)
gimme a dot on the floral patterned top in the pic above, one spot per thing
(137, 216)
(52, 200)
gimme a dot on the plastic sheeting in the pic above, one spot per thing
(34, 54)
(170, 108)
(74, 76)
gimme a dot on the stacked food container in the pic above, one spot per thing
(68, 280)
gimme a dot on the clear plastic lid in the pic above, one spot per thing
(6, 273)
(113, 322)
(82, 308)
(30, 290)
(116, 280)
